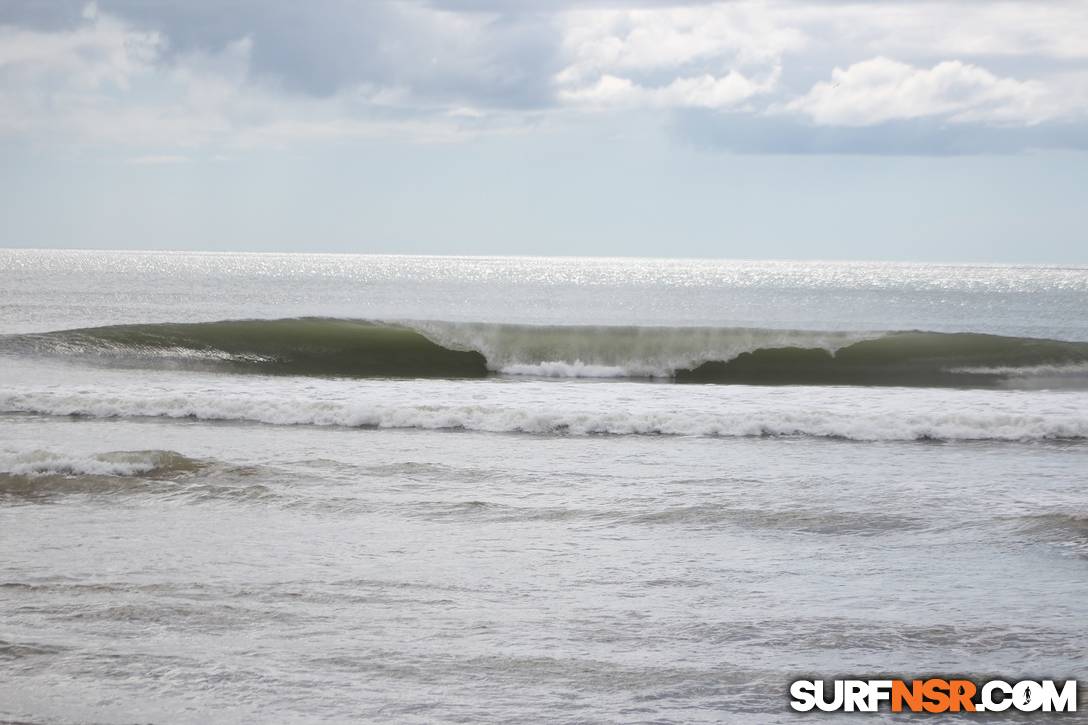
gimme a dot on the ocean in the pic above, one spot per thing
(340, 488)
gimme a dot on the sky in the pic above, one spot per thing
(930, 131)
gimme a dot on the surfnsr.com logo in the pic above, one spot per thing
(933, 695)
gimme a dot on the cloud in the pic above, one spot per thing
(881, 89)
(102, 50)
(703, 91)
(741, 34)
(162, 79)
(474, 57)
(107, 82)
(1052, 29)
(693, 57)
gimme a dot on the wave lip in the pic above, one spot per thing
(362, 349)
(621, 352)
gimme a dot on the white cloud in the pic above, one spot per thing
(733, 34)
(704, 52)
(703, 91)
(709, 55)
(881, 89)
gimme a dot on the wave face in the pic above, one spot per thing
(357, 348)
(307, 346)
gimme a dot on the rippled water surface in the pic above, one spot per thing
(49, 290)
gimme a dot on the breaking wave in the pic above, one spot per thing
(41, 476)
(152, 464)
(358, 348)
(899, 418)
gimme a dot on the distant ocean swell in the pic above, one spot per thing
(358, 348)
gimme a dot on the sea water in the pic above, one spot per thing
(297, 488)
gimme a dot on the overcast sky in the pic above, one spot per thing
(869, 130)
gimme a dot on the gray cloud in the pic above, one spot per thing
(500, 59)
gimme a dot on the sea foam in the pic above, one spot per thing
(543, 408)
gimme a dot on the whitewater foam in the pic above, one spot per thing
(603, 408)
(576, 369)
(1072, 370)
